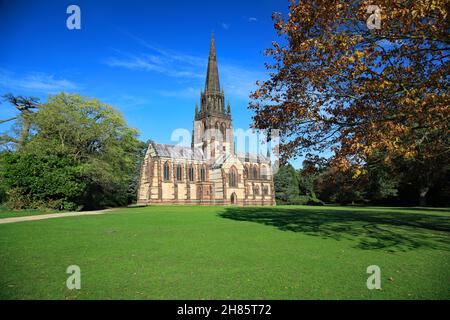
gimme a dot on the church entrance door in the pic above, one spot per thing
(233, 198)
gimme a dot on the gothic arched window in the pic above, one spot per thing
(265, 190)
(166, 171)
(191, 173)
(179, 172)
(246, 172)
(264, 172)
(255, 172)
(216, 126)
(257, 190)
(203, 128)
(223, 132)
(149, 170)
(203, 173)
(233, 177)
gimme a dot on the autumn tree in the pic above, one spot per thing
(337, 85)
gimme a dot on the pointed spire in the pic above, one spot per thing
(212, 74)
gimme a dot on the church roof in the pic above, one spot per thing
(252, 157)
(220, 160)
(178, 152)
(188, 153)
(243, 157)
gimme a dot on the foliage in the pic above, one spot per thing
(380, 181)
(337, 85)
(289, 188)
(134, 180)
(335, 186)
(286, 185)
(38, 181)
(307, 177)
(24, 105)
(80, 153)
(3, 190)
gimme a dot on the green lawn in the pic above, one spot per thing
(230, 253)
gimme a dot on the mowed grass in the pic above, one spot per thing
(183, 252)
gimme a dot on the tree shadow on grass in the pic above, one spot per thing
(390, 231)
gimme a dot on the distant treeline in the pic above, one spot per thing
(315, 184)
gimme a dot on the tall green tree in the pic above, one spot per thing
(135, 178)
(94, 147)
(286, 185)
(307, 175)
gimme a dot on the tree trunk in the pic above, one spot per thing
(25, 132)
(6, 120)
(423, 196)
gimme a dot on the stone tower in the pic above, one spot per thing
(213, 130)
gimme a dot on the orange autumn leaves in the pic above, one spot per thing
(336, 85)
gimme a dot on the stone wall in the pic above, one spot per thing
(214, 190)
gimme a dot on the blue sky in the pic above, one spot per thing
(146, 58)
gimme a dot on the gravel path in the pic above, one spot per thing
(53, 215)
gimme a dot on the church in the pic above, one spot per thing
(210, 171)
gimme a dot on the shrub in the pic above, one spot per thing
(3, 195)
(314, 202)
(42, 181)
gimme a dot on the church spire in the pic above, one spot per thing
(212, 99)
(213, 116)
(212, 74)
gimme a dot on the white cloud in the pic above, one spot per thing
(252, 19)
(225, 26)
(162, 61)
(36, 81)
(168, 55)
(127, 102)
(237, 80)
